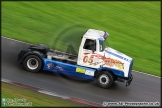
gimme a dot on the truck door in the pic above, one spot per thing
(86, 55)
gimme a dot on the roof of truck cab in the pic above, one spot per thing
(93, 34)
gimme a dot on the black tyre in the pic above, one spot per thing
(32, 63)
(104, 79)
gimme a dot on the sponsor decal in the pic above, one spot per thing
(49, 65)
(96, 63)
(89, 72)
(80, 70)
(113, 62)
(59, 68)
(85, 71)
(107, 61)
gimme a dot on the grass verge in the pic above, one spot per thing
(37, 99)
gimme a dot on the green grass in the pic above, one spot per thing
(37, 99)
(134, 27)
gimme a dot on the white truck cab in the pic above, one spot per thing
(94, 53)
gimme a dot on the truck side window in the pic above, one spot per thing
(90, 44)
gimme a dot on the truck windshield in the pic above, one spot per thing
(102, 45)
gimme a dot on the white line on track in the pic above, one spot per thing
(146, 73)
(5, 80)
(53, 94)
(32, 44)
(16, 40)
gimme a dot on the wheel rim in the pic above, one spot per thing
(104, 79)
(32, 63)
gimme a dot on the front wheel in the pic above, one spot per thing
(32, 63)
(104, 79)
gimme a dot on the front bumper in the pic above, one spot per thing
(129, 80)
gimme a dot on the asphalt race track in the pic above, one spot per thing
(143, 87)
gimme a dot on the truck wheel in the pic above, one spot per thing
(32, 63)
(104, 79)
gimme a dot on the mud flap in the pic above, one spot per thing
(129, 80)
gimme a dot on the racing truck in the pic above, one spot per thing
(95, 61)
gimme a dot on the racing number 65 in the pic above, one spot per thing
(86, 59)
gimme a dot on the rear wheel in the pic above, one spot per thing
(104, 79)
(32, 63)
